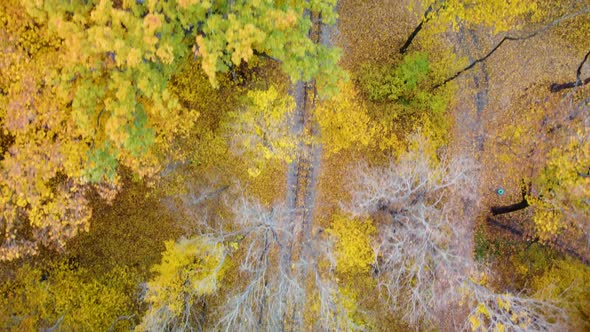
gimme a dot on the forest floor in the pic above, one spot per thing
(496, 99)
(468, 133)
(499, 101)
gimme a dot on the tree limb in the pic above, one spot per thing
(556, 87)
(509, 38)
(559, 245)
(496, 210)
(414, 33)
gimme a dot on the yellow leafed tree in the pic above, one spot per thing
(190, 269)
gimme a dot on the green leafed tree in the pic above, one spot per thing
(118, 58)
(86, 91)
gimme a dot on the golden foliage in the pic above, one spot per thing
(42, 193)
(567, 282)
(67, 297)
(354, 254)
(498, 15)
(344, 122)
(190, 269)
(261, 130)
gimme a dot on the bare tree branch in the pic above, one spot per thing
(418, 28)
(510, 38)
(418, 250)
(512, 312)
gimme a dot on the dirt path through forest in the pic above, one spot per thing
(469, 130)
(303, 172)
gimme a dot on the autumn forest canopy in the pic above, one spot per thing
(295, 165)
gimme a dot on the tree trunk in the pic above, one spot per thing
(579, 82)
(414, 33)
(555, 87)
(496, 210)
(410, 39)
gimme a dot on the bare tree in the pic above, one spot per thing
(493, 312)
(422, 261)
(418, 250)
(273, 296)
(264, 236)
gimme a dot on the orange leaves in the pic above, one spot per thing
(284, 20)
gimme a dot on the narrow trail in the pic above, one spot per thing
(469, 130)
(304, 170)
(302, 174)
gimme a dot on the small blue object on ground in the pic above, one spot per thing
(500, 191)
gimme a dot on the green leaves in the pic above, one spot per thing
(278, 31)
(141, 137)
(118, 59)
(102, 162)
(397, 82)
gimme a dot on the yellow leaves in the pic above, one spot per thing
(114, 128)
(42, 202)
(504, 303)
(71, 295)
(547, 219)
(344, 121)
(480, 278)
(475, 322)
(353, 249)
(481, 308)
(102, 12)
(209, 59)
(500, 328)
(21, 201)
(567, 282)
(497, 14)
(134, 57)
(165, 53)
(242, 40)
(190, 268)
(480, 318)
(261, 130)
(434, 130)
(234, 245)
